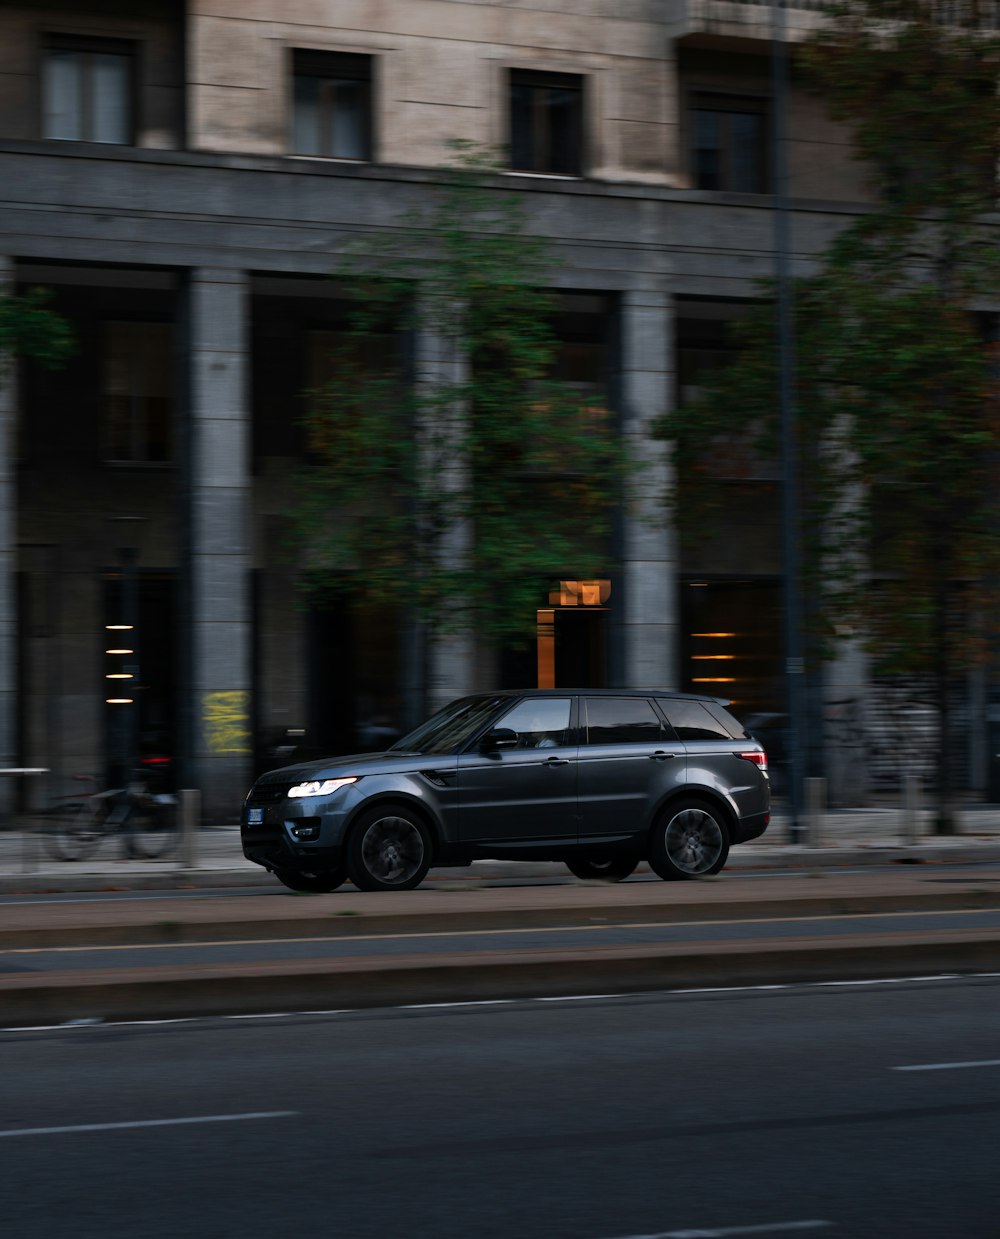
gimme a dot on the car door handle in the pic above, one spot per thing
(556, 761)
(659, 756)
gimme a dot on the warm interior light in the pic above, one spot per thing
(119, 627)
(713, 634)
(713, 679)
(712, 657)
(119, 675)
(118, 701)
(119, 651)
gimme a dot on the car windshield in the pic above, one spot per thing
(450, 728)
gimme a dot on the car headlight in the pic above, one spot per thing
(323, 787)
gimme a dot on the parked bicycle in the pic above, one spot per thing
(146, 822)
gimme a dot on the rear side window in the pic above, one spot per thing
(621, 720)
(734, 727)
(692, 721)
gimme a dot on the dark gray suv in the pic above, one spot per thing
(599, 779)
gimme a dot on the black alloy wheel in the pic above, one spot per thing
(688, 840)
(602, 869)
(389, 850)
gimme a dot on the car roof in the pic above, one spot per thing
(604, 692)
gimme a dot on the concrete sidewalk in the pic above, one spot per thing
(855, 837)
(848, 837)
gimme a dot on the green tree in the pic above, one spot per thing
(466, 483)
(30, 328)
(898, 432)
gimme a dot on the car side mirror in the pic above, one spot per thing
(499, 738)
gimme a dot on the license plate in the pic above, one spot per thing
(255, 817)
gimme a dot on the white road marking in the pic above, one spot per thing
(511, 931)
(800, 986)
(202, 1118)
(766, 1228)
(983, 1062)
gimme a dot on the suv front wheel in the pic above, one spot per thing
(688, 840)
(389, 850)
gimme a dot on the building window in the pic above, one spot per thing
(730, 143)
(546, 122)
(137, 392)
(332, 105)
(88, 90)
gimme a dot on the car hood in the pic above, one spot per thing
(356, 763)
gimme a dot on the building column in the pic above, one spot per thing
(646, 603)
(216, 511)
(8, 555)
(441, 363)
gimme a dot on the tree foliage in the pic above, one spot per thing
(30, 328)
(458, 478)
(895, 388)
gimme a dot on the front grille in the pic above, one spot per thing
(269, 793)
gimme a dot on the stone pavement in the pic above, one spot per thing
(855, 837)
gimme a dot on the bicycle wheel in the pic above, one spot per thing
(151, 830)
(72, 831)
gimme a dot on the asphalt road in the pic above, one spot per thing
(868, 1111)
(396, 945)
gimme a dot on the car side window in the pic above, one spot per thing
(621, 720)
(692, 721)
(540, 723)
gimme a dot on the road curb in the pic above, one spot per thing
(346, 924)
(354, 984)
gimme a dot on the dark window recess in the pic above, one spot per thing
(88, 90)
(137, 392)
(622, 720)
(729, 143)
(692, 721)
(546, 122)
(332, 105)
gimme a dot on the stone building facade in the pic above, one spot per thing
(183, 174)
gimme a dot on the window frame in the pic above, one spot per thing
(88, 46)
(329, 67)
(729, 103)
(539, 80)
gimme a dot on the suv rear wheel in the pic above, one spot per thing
(602, 869)
(688, 840)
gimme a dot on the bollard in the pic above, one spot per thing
(911, 808)
(815, 811)
(190, 818)
(29, 849)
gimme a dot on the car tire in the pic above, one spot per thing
(602, 869)
(317, 883)
(690, 839)
(389, 849)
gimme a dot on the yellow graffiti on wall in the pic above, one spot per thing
(226, 718)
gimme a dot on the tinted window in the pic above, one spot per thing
(622, 720)
(540, 723)
(692, 721)
(732, 726)
(451, 727)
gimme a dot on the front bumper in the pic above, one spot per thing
(305, 834)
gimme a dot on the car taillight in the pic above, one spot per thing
(758, 758)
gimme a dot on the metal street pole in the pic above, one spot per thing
(794, 661)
